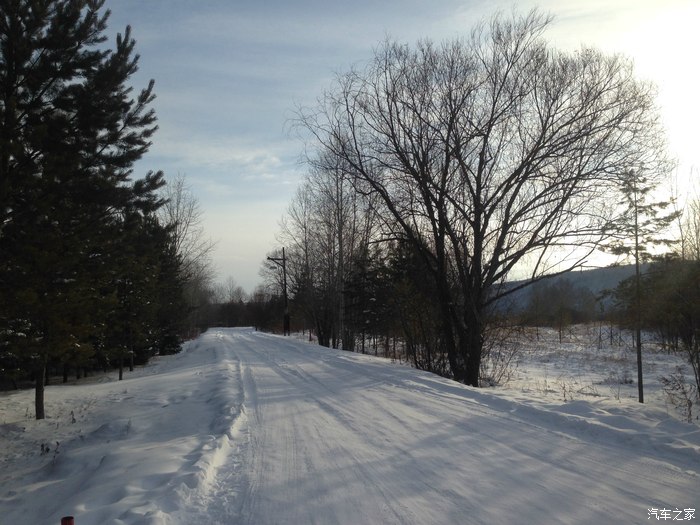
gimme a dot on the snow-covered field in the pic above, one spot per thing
(245, 427)
(587, 365)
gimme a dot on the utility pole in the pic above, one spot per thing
(282, 263)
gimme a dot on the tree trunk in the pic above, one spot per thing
(39, 391)
(455, 352)
(472, 347)
(322, 335)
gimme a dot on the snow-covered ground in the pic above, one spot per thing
(244, 427)
(587, 365)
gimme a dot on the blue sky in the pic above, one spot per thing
(229, 75)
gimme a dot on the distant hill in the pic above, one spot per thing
(597, 280)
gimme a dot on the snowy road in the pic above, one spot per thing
(335, 438)
(244, 427)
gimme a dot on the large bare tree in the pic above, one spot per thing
(489, 154)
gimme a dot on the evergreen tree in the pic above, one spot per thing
(70, 131)
(636, 234)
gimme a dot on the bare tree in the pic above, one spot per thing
(690, 296)
(183, 214)
(231, 299)
(691, 231)
(489, 154)
(328, 228)
(686, 207)
(231, 292)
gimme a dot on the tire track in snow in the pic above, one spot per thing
(567, 428)
(305, 451)
(584, 454)
(331, 438)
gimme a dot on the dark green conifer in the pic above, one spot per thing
(70, 131)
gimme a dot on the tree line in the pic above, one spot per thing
(669, 306)
(95, 269)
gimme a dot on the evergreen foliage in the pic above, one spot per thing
(669, 305)
(86, 272)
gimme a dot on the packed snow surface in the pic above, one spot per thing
(245, 427)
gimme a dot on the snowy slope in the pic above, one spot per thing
(244, 427)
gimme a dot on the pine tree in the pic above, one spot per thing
(637, 233)
(171, 314)
(148, 310)
(70, 131)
